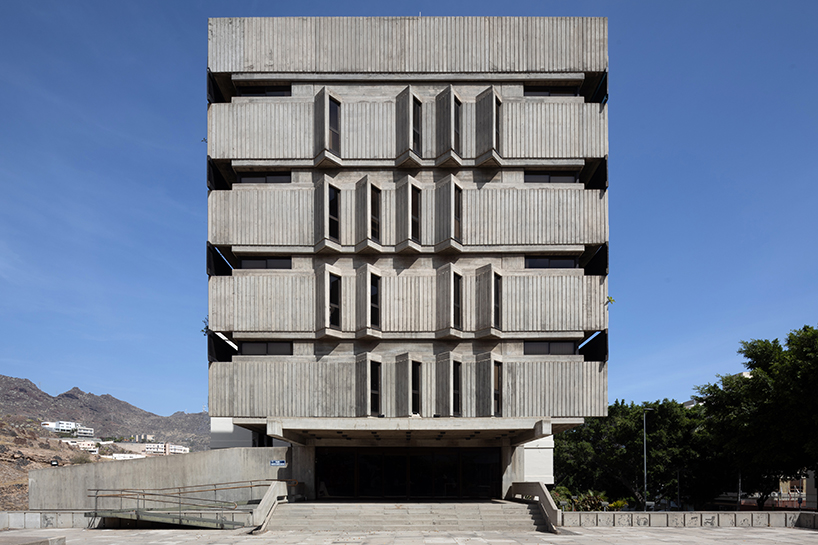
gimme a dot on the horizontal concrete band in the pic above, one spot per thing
(692, 519)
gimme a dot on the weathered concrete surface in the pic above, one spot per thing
(67, 487)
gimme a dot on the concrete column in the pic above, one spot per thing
(539, 460)
(303, 470)
(512, 460)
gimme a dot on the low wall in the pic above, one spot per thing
(66, 488)
(697, 519)
(18, 520)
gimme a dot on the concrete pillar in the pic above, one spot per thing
(539, 460)
(303, 470)
(512, 461)
(810, 489)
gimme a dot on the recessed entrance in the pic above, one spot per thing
(407, 473)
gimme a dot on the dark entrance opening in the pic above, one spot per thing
(407, 473)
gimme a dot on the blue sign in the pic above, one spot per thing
(278, 463)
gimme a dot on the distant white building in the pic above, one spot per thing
(165, 449)
(64, 426)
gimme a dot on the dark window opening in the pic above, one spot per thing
(458, 123)
(544, 262)
(267, 348)
(277, 177)
(415, 214)
(219, 264)
(594, 260)
(595, 348)
(375, 215)
(550, 177)
(334, 301)
(248, 90)
(497, 118)
(335, 126)
(219, 349)
(570, 90)
(458, 214)
(498, 301)
(457, 298)
(333, 213)
(215, 178)
(552, 348)
(374, 388)
(415, 387)
(375, 301)
(457, 381)
(266, 263)
(416, 124)
(595, 174)
(498, 388)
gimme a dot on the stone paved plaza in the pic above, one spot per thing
(577, 536)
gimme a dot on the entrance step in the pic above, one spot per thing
(495, 515)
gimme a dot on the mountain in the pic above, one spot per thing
(109, 416)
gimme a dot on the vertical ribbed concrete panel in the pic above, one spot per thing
(403, 390)
(483, 286)
(321, 121)
(362, 210)
(555, 388)
(553, 302)
(362, 385)
(444, 210)
(485, 122)
(266, 215)
(444, 130)
(406, 301)
(443, 384)
(483, 385)
(261, 130)
(539, 128)
(469, 374)
(403, 121)
(269, 302)
(534, 216)
(368, 130)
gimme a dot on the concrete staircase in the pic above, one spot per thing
(395, 517)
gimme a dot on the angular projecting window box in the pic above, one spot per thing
(489, 302)
(409, 123)
(328, 127)
(450, 302)
(449, 215)
(489, 122)
(330, 219)
(333, 316)
(411, 222)
(449, 124)
(369, 221)
(369, 301)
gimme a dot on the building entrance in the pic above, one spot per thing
(407, 473)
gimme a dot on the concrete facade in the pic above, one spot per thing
(408, 235)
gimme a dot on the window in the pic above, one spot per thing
(457, 381)
(334, 215)
(550, 177)
(334, 126)
(278, 177)
(457, 298)
(498, 388)
(416, 124)
(498, 301)
(545, 348)
(458, 213)
(335, 301)
(374, 388)
(267, 349)
(375, 215)
(244, 90)
(415, 214)
(458, 123)
(544, 262)
(266, 263)
(497, 118)
(415, 387)
(375, 301)
(551, 90)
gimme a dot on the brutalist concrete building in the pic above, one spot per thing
(408, 245)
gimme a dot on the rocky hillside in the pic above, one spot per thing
(109, 416)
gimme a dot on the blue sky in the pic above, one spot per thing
(713, 187)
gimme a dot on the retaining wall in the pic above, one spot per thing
(685, 519)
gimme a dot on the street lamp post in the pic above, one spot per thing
(645, 448)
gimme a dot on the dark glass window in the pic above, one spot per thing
(498, 388)
(458, 123)
(334, 216)
(374, 388)
(497, 118)
(545, 348)
(416, 124)
(375, 216)
(415, 387)
(375, 301)
(550, 177)
(457, 381)
(457, 299)
(335, 301)
(267, 263)
(415, 214)
(550, 90)
(498, 301)
(335, 126)
(544, 262)
(267, 348)
(458, 214)
(264, 90)
(282, 177)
